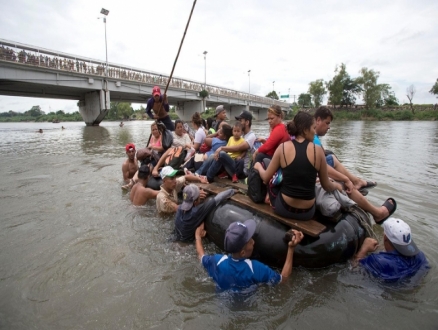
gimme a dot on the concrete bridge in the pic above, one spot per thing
(36, 72)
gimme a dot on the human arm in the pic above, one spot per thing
(287, 268)
(224, 195)
(149, 106)
(208, 141)
(199, 234)
(274, 165)
(326, 183)
(368, 245)
(338, 176)
(125, 171)
(160, 163)
(193, 178)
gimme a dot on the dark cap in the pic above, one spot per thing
(244, 115)
(238, 234)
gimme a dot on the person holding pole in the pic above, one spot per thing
(160, 105)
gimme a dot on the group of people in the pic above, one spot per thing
(228, 151)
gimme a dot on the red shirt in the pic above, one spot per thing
(278, 135)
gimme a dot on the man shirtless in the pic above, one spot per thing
(130, 166)
(139, 193)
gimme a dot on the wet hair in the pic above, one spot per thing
(238, 124)
(276, 110)
(227, 130)
(323, 113)
(302, 121)
(196, 119)
(179, 121)
(209, 122)
(144, 172)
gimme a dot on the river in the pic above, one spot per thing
(75, 254)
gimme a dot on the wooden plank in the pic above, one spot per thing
(228, 182)
(310, 227)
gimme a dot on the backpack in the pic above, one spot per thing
(256, 188)
(175, 157)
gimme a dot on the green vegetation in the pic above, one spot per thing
(272, 95)
(379, 114)
(317, 91)
(37, 115)
(434, 89)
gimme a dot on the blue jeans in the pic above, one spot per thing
(231, 166)
(205, 165)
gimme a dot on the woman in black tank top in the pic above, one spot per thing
(300, 161)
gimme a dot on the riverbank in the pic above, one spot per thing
(404, 113)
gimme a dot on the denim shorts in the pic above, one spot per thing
(330, 161)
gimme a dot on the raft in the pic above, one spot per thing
(326, 241)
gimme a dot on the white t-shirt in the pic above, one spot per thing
(181, 141)
(199, 136)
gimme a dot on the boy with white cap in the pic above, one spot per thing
(236, 271)
(192, 212)
(401, 258)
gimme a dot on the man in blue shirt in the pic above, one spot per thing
(236, 271)
(161, 108)
(401, 259)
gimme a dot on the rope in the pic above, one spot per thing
(364, 220)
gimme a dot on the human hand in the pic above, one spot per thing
(202, 194)
(257, 166)
(203, 179)
(369, 244)
(155, 172)
(200, 231)
(296, 239)
(216, 154)
(156, 117)
(348, 186)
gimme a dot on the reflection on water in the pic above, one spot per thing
(76, 254)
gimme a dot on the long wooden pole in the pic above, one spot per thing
(177, 55)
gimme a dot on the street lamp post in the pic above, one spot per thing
(249, 81)
(205, 70)
(105, 12)
(273, 84)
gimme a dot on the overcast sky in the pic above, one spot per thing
(289, 42)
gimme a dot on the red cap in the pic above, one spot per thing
(130, 146)
(156, 91)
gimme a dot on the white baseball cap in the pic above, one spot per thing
(167, 171)
(399, 234)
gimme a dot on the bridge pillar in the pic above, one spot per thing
(234, 111)
(94, 106)
(259, 113)
(185, 110)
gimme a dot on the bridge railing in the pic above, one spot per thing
(30, 55)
